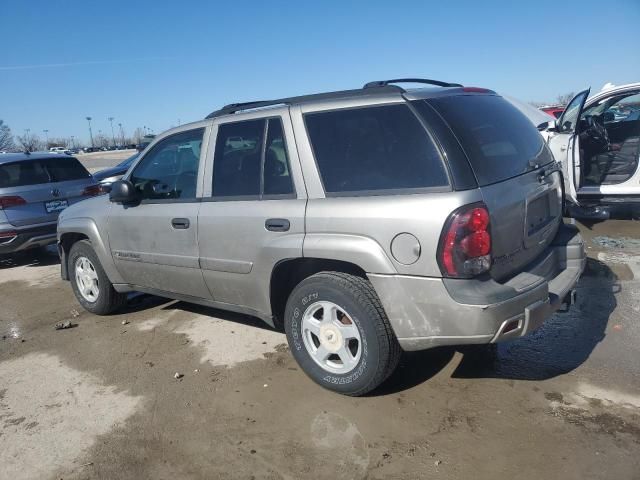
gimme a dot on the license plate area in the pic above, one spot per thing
(56, 205)
(539, 213)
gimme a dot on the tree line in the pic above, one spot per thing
(32, 142)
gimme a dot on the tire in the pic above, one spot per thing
(353, 302)
(102, 299)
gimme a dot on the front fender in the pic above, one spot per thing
(88, 227)
(362, 251)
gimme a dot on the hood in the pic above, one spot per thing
(109, 172)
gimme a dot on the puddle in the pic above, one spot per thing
(340, 441)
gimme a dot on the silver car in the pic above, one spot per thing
(34, 188)
(365, 222)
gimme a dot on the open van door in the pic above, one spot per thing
(565, 144)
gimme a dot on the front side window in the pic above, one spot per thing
(250, 160)
(382, 148)
(569, 118)
(170, 170)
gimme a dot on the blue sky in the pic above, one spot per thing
(154, 62)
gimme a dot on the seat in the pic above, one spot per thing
(275, 182)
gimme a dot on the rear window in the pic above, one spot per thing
(65, 168)
(499, 140)
(34, 172)
(371, 149)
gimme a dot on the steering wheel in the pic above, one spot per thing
(595, 132)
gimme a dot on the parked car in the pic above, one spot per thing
(597, 142)
(364, 221)
(109, 175)
(60, 150)
(34, 188)
(554, 110)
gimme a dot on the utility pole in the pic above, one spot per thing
(90, 132)
(113, 137)
(46, 134)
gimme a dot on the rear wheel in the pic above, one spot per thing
(339, 333)
(90, 284)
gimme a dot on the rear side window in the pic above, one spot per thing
(373, 149)
(64, 169)
(251, 160)
(20, 174)
(498, 139)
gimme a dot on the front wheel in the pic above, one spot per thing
(90, 283)
(339, 333)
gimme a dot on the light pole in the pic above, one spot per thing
(113, 137)
(73, 142)
(121, 134)
(90, 132)
(46, 134)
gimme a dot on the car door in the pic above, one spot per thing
(565, 144)
(252, 214)
(154, 242)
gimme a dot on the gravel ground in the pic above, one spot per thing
(100, 400)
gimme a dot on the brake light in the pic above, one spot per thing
(465, 243)
(11, 201)
(476, 90)
(7, 235)
(93, 190)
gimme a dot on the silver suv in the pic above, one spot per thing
(365, 221)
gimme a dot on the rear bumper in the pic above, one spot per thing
(428, 312)
(27, 237)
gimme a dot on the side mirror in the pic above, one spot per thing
(123, 191)
(543, 126)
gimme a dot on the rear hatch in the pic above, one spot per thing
(515, 171)
(38, 189)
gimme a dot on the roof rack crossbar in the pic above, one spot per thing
(237, 107)
(382, 83)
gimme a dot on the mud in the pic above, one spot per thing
(101, 401)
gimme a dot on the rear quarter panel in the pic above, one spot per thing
(362, 229)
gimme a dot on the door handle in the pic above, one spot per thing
(180, 223)
(277, 225)
(563, 148)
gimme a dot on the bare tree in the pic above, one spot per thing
(29, 143)
(6, 138)
(100, 140)
(565, 98)
(138, 135)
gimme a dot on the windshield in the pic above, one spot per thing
(499, 140)
(127, 163)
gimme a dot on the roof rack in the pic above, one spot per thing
(382, 83)
(371, 88)
(359, 92)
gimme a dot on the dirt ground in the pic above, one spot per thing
(100, 400)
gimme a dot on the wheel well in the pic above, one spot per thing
(289, 273)
(66, 242)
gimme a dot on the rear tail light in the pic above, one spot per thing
(465, 244)
(93, 190)
(11, 201)
(6, 237)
